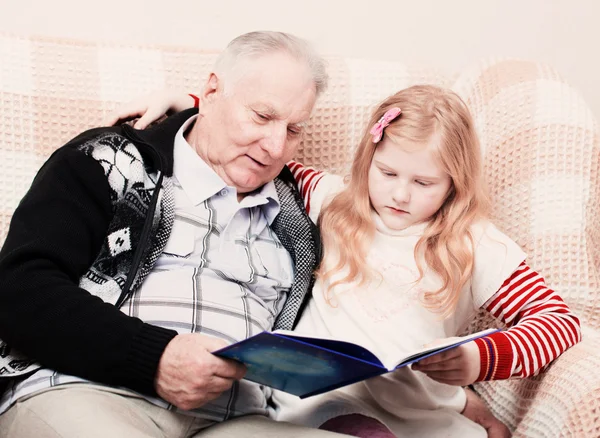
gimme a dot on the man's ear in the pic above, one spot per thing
(212, 87)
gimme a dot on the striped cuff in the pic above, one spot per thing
(496, 357)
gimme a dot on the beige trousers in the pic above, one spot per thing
(82, 410)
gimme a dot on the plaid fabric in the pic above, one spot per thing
(542, 158)
(222, 273)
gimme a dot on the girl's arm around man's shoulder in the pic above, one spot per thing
(316, 187)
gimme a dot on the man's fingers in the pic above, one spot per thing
(231, 369)
(219, 384)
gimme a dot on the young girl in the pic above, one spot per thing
(409, 258)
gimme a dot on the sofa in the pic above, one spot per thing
(540, 140)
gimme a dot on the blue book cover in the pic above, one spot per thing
(306, 366)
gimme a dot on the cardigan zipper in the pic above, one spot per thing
(137, 258)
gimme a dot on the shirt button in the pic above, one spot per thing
(223, 192)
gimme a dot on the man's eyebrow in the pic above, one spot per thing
(272, 112)
(300, 125)
(265, 109)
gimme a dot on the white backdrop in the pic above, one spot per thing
(450, 34)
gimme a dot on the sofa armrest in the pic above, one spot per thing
(562, 401)
(541, 146)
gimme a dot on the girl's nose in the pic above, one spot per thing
(401, 193)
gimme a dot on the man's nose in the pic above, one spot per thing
(275, 142)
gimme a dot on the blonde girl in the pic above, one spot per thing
(410, 256)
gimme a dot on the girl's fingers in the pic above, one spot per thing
(444, 356)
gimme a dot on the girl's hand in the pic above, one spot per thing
(150, 108)
(476, 410)
(458, 366)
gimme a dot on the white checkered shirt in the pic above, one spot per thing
(222, 273)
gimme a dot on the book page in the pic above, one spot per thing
(438, 348)
(336, 345)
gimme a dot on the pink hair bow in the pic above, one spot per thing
(377, 129)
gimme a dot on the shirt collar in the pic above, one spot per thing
(200, 182)
(267, 198)
(197, 179)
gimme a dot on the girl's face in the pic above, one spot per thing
(406, 184)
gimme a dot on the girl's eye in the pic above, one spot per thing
(423, 183)
(387, 173)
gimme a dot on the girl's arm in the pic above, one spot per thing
(307, 180)
(152, 107)
(541, 328)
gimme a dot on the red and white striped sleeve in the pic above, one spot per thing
(307, 179)
(541, 327)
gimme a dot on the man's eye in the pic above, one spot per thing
(262, 116)
(294, 131)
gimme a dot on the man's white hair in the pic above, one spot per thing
(255, 44)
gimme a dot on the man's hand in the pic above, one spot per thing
(475, 410)
(189, 375)
(458, 366)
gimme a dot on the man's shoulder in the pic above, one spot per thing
(107, 145)
(99, 138)
(94, 134)
(112, 152)
(80, 146)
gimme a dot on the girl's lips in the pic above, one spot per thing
(398, 211)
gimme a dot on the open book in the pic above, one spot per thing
(306, 366)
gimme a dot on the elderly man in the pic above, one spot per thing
(136, 253)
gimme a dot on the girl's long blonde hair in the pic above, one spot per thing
(446, 246)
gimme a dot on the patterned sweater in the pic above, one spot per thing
(85, 236)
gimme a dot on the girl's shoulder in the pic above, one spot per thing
(328, 187)
(487, 235)
(496, 257)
